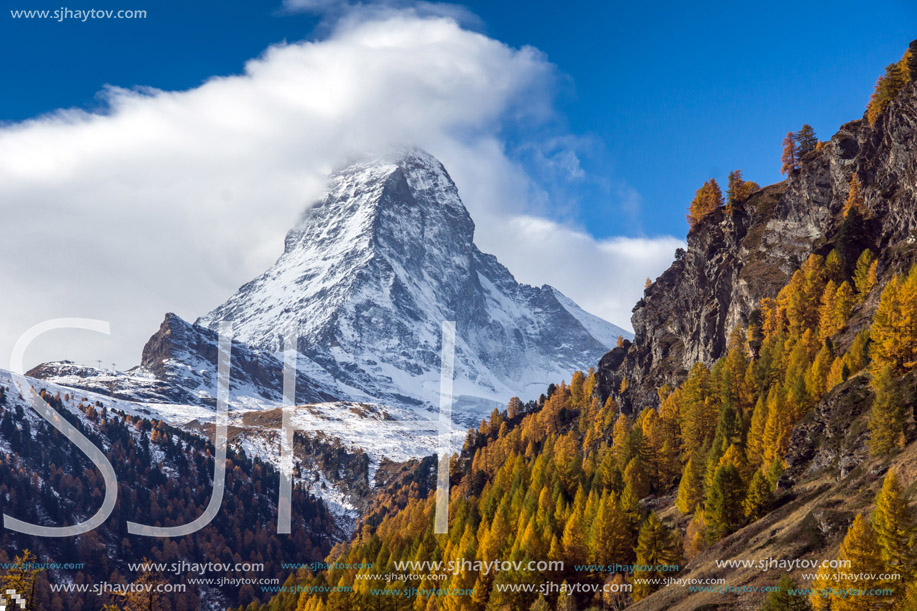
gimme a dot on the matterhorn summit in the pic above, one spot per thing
(373, 269)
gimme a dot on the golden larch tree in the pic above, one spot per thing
(855, 200)
(789, 158)
(861, 549)
(893, 522)
(886, 416)
(706, 201)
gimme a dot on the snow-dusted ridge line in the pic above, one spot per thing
(597, 326)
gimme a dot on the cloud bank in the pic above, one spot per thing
(168, 201)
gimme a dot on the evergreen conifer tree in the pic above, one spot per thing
(806, 141)
(723, 509)
(656, 548)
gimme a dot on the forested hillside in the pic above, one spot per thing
(164, 478)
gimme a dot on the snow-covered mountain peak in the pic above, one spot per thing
(372, 270)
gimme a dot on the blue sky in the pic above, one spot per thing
(660, 96)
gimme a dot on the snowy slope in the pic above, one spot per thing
(599, 328)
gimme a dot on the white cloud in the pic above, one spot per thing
(168, 201)
(605, 277)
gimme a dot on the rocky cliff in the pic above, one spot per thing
(736, 259)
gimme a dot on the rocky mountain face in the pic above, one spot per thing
(185, 355)
(734, 260)
(178, 366)
(374, 268)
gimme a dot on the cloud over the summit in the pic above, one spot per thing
(168, 201)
